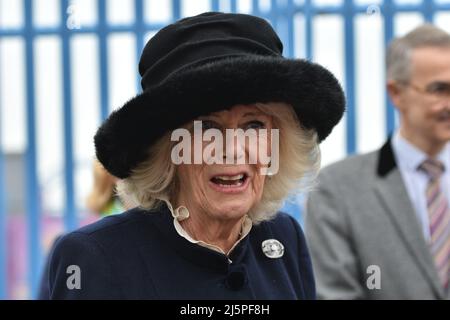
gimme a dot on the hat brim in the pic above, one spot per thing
(124, 139)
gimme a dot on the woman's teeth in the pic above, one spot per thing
(236, 177)
(229, 181)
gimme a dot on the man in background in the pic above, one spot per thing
(378, 225)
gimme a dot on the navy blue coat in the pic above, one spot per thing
(139, 255)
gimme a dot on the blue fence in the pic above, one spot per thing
(281, 14)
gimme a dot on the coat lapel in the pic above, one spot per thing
(393, 195)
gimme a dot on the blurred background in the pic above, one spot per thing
(65, 65)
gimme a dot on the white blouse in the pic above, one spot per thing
(181, 213)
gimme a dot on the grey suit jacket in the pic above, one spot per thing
(360, 221)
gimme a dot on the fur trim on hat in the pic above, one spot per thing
(123, 141)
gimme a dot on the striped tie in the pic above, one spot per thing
(439, 217)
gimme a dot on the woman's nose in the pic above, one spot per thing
(234, 147)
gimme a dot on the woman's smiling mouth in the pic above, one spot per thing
(230, 183)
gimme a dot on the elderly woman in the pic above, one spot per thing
(206, 228)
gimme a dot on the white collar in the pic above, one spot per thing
(410, 157)
(181, 213)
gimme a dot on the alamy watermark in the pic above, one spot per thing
(209, 148)
(73, 281)
(374, 279)
(73, 19)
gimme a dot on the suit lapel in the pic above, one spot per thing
(393, 195)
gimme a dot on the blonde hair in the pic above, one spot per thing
(299, 160)
(103, 189)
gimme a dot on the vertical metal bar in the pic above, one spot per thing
(274, 16)
(350, 76)
(428, 10)
(3, 222)
(215, 5)
(103, 60)
(290, 26)
(176, 9)
(388, 11)
(70, 218)
(233, 6)
(140, 34)
(255, 8)
(307, 9)
(281, 16)
(32, 185)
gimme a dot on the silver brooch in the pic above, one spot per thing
(273, 248)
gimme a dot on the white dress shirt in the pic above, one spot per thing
(408, 158)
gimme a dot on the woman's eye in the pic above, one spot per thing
(209, 124)
(255, 125)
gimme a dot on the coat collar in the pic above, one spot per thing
(386, 159)
(393, 196)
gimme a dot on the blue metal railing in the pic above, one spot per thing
(282, 15)
(388, 13)
(70, 210)
(349, 14)
(32, 185)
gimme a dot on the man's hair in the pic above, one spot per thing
(398, 66)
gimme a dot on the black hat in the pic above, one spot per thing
(209, 63)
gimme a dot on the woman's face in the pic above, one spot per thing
(227, 191)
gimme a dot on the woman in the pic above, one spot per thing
(103, 199)
(207, 226)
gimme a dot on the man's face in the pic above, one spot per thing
(424, 102)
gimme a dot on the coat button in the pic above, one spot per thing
(273, 248)
(236, 278)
